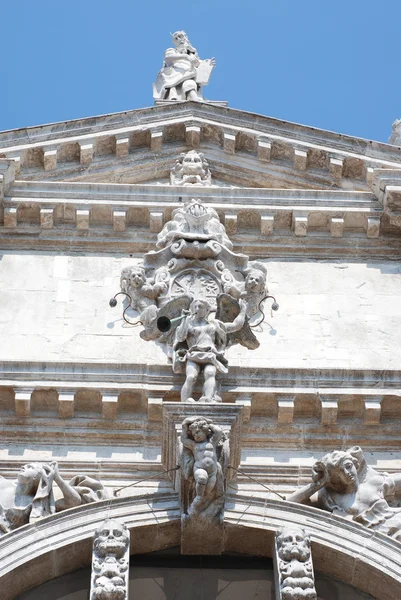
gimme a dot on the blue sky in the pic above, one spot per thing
(332, 65)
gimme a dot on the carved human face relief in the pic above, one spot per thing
(347, 472)
(199, 309)
(198, 431)
(29, 474)
(179, 38)
(293, 544)
(192, 164)
(111, 539)
(137, 278)
(254, 282)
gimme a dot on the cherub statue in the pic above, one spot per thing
(191, 168)
(201, 440)
(183, 74)
(200, 344)
(295, 564)
(252, 290)
(143, 292)
(343, 483)
(31, 497)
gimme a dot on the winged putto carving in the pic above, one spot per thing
(196, 296)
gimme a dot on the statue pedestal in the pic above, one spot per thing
(202, 527)
(212, 102)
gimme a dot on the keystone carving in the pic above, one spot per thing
(31, 497)
(343, 484)
(208, 295)
(191, 168)
(294, 568)
(183, 73)
(205, 452)
(110, 562)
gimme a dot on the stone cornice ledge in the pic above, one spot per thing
(369, 561)
(151, 376)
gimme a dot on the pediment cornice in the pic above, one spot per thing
(243, 148)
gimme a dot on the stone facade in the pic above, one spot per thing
(186, 204)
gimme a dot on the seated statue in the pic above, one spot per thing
(31, 497)
(343, 483)
(183, 74)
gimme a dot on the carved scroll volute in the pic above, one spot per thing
(110, 562)
(293, 567)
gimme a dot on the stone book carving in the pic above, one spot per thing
(294, 575)
(110, 562)
(207, 294)
(343, 484)
(183, 73)
(31, 497)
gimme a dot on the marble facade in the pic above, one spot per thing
(138, 202)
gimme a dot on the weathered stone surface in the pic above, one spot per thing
(30, 497)
(348, 487)
(294, 576)
(183, 74)
(110, 562)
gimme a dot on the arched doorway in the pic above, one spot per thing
(343, 551)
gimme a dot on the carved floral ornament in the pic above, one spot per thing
(196, 296)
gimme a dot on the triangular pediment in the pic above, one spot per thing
(243, 150)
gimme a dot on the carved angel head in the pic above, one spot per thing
(199, 430)
(293, 543)
(255, 281)
(137, 277)
(200, 308)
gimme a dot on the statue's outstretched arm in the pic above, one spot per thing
(304, 494)
(238, 321)
(71, 497)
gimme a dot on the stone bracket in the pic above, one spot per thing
(202, 530)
